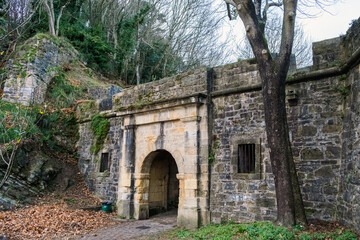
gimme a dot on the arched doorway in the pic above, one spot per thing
(163, 185)
(157, 186)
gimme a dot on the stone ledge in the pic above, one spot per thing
(198, 98)
(299, 77)
(247, 176)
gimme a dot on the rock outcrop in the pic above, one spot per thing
(34, 67)
(37, 77)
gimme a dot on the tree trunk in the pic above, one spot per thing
(49, 7)
(278, 141)
(137, 47)
(273, 74)
(290, 205)
(299, 204)
(59, 17)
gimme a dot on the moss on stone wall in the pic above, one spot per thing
(100, 126)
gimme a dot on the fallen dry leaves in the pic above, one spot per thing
(51, 221)
(57, 214)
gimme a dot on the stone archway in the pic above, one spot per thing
(178, 129)
(157, 188)
(163, 186)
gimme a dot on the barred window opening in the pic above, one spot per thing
(246, 158)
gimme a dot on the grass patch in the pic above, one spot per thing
(255, 231)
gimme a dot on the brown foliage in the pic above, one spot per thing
(50, 221)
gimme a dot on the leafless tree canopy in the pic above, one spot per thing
(301, 48)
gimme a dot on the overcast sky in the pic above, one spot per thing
(332, 25)
(327, 24)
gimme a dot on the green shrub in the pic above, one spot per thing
(305, 236)
(20, 122)
(319, 236)
(259, 231)
(91, 43)
(17, 122)
(347, 235)
(61, 93)
(267, 230)
(297, 228)
(183, 234)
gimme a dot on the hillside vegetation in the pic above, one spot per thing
(136, 41)
(39, 141)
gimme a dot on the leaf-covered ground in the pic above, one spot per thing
(57, 214)
(51, 221)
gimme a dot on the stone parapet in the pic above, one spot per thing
(179, 86)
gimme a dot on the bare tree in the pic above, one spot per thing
(192, 32)
(301, 46)
(189, 30)
(273, 73)
(18, 118)
(54, 23)
(14, 17)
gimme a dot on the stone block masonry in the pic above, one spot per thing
(208, 124)
(104, 184)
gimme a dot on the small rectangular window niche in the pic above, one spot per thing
(104, 162)
(246, 158)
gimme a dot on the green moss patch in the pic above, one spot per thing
(100, 126)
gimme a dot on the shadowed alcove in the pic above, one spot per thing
(163, 184)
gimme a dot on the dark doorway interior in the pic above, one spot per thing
(164, 186)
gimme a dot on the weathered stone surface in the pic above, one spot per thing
(307, 131)
(38, 62)
(325, 172)
(312, 154)
(326, 52)
(331, 129)
(332, 152)
(32, 172)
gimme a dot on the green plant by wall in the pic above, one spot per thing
(17, 122)
(344, 91)
(267, 230)
(257, 231)
(61, 93)
(212, 153)
(100, 126)
(20, 122)
(305, 236)
(343, 77)
(57, 123)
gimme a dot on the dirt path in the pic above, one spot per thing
(135, 229)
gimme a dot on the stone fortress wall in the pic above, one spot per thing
(201, 118)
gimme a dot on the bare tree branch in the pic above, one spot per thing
(59, 16)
